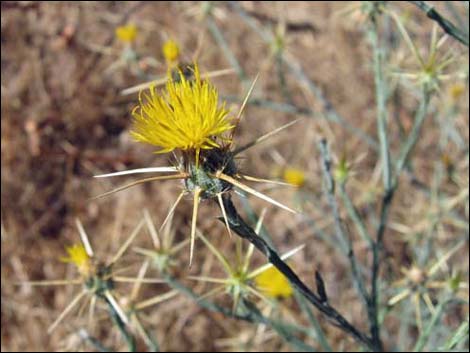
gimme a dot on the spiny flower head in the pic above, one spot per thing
(127, 33)
(186, 116)
(431, 69)
(420, 281)
(273, 283)
(243, 282)
(78, 256)
(342, 170)
(97, 278)
(162, 255)
(171, 51)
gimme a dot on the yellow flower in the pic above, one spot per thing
(456, 90)
(78, 256)
(273, 283)
(186, 116)
(171, 51)
(294, 176)
(126, 33)
(240, 281)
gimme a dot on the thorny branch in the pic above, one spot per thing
(357, 278)
(239, 226)
(445, 24)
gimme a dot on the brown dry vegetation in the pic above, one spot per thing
(64, 120)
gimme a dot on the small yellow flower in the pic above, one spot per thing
(273, 283)
(78, 256)
(241, 281)
(127, 33)
(456, 90)
(171, 51)
(294, 176)
(186, 116)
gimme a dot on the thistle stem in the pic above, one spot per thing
(251, 314)
(381, 98)
(343, 238)
(222, 43)
(298, 72)
(240, 227)
(444, 23)
(130, 340)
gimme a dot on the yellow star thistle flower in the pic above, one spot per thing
(99, 281)
(126, 34)
(186, 116)
(456, 90)
(171, 51)
(273, 284)
(78, 256)
(294, 176)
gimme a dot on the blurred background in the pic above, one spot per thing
(65, 119)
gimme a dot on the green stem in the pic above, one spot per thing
(95, 343)
(319, 333)
(355, 217)
(461, 335)
(121, 326)
(343, 239)
(281, 330)
(297, 71)
(413, 136)
(254, 316)
(282, 76)
(381, 97)
(222, 43)
(436, 316)
(388, 195)
(149, 340)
